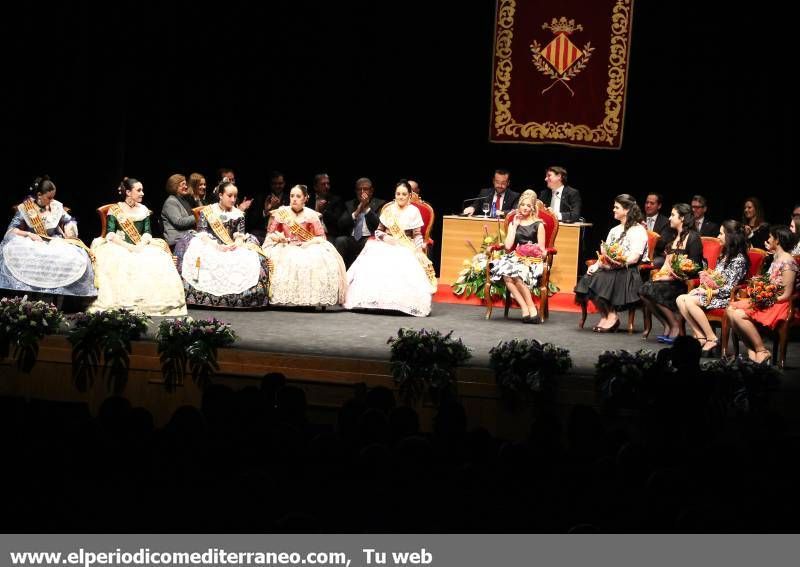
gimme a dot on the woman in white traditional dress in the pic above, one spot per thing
(221, 265)
(393, 272)
(306, 268)
(41, 252)
(134, 270)
(521, 273)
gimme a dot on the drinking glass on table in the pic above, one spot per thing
(485, 209)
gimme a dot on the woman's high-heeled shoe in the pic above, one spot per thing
(612, 329)
(765, 359)
(710, 352)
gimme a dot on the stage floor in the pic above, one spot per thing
(363, 335)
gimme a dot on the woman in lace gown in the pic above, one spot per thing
(661, 292)
(733, 263)
(221, 265)
(393, 272)
(134, 270)
(41, 251)
(522, 273)
(306, 268)
(613, 286)
(782, 271)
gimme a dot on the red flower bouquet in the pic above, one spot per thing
(763, 292)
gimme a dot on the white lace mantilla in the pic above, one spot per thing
(220, 272)
(47, 263)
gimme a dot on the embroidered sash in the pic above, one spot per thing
(126, 224)
(222, 233)
(400, 235)
(284, 217)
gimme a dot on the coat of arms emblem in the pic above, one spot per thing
(561, 60)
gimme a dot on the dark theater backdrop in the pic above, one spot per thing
(384, 90)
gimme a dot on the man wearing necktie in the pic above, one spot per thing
(704, 226)
(563, 200)
(658, 223)
(358, 221)
(500, 198)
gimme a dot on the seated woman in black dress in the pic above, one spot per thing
(520, 273)
(614, 286)
(660, 293)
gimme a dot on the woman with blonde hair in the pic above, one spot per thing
(521, 272)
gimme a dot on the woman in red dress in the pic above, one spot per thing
(783, 271)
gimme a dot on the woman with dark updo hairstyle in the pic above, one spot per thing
(222, 265)
(41, 251)
(134, 270)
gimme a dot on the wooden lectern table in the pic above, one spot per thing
(457, 230)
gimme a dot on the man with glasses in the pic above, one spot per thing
(704, 226)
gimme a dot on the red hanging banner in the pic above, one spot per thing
(560, 72)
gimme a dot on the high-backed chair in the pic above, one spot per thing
(645, 269)
(780, 334)
(551, 225)
(103, 212)
(428, 217)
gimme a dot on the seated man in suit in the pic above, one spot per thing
(704, 226)
(328, 205)
(658, 222)
(358, 221)
(500, 198)
(563, 200)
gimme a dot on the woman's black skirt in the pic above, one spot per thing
(664, 292)
(619, 288)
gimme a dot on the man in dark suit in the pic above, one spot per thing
(657, 222)
(563, 200)
(500, 198)
(358, 221)
(704, 226)
(328, 205)
(257, 217)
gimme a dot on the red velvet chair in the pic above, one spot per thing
(551, 225)
(103, 213)
(428, 218)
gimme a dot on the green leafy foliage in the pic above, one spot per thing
(23, 324)
(525, 368)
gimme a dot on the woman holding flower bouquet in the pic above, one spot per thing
(522, 267)
(221, 265)
(768, 303)
(41, 251)
(684, 260)
(393, 271)
(714, 291)
(612, 283)
(134, 270)
(307, 269)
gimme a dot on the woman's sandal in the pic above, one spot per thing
(714, 346)
(765, 359)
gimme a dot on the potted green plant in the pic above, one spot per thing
(527, 370)
(23, 324)
(426, 361)
(621, 377)
(185, 341)
(106, 336)
(742, 384)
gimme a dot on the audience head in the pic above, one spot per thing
(681, 218)
(780, 236)
(298, 195)
(176, 185)
(501, 180)
(414, 187)
(131, 191)
(555, 176)
(753, 212)
(627, 210)
(699, 206)
(197, 185)
(276, 183)
(322, 184)
(43, 190)
(796, 214)
(652, 204)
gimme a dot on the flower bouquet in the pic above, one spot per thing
(611, 254)
(22, 324)
(196, 342)
(530, 252)
(709, 281)
(106, 335)
(743, 384)
(763, 292)
(683, 267)
(621, 376)
(423, 360)
(472, 278)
